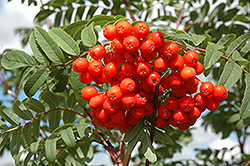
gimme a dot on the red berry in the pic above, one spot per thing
(206, 88)
(141, 30)
(188, 73)
(138, 112)
(153, 79)
(220, 92)
(163, 112)
(147, 46)
(131, 44)
(80, 65)
(190, 58)
(187, 103)
(170, 49)
(114, 93)
(160, 64)
(97, 52)
(180, 116)
(124, 28)
(109, 32)
(157, 38)
(127, 85)
(88, 92)
(172, 103)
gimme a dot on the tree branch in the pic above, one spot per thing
(129, 10)
(180, 15)
(152, 132)
(55, 109)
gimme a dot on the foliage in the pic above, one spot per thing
(56, 129)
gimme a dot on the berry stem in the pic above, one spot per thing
(152, 132)
(199, 79)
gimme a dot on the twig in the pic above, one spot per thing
(152, 132)
(129, 10)
(223, 57)
(4, 82)
(121, 147)
(126, 159)
(180, 15)
(84, 53)
(55, 109)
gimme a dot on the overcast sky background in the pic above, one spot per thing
(15, 15)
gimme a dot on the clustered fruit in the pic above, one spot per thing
(134, 63)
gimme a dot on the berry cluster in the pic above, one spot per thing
(134, 62)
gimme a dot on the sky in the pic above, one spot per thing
(14, 15)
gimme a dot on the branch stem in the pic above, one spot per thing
(152, 132)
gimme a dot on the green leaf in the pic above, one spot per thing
(25, 75)
(245, 106)
(134, 131)
(36, 127)
(54, 119)
(34, 147)
(88, 35)
(237, 43)
(71, 102)
(197, 39)
(35, 82)
(101, 19)
(82, 129)
(245, 49)
(27, 158)
(234, 118)
(15, 142)
(49, 46)
(51, 99)
(212, 55)
(3, 140)
(58, 19)
(38, 53)
(227, 39)
(148, 149)
(79, 13)
(68, 137)
(65, 41)
(77, 87)
(68, 117)
(26, 135)
(72, 28)
(50, 149)
(3, 126)
(15, 59)
(43, 14)
(59, 128)
(60, 79)
(230, 75)
(34, 105)
(204, 10)
(133, 142)
(22, 111)
(68, 16)
(161, 136)
(9, 116)
(237, 57)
